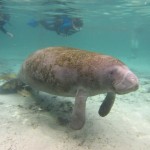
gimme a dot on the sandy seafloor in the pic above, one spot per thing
(24, 125)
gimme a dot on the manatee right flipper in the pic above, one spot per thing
(11, 86)
(107, 104)
(78, 114)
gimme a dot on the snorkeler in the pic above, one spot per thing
(4, 18)
(65, 25)
(62, 25)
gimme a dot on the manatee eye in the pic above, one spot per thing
(111, 73)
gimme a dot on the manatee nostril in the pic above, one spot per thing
(133, 80)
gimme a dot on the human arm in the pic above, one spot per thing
(6, 32)
(9, 34)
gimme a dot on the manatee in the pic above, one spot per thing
(72, 72)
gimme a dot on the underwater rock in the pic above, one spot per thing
(7, 76)
(9, 87)
(24, 92)
(60, 109)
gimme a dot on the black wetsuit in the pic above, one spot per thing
(4, 18)
(2, 23)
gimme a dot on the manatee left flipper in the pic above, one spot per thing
(78, 114)
(107, 104)
(11, 86)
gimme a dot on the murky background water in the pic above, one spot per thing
(118, 28)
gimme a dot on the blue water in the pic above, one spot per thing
(118, 28)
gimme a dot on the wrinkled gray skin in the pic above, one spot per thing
(80, 74)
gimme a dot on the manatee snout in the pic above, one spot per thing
(132, 81)
(128, 83)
